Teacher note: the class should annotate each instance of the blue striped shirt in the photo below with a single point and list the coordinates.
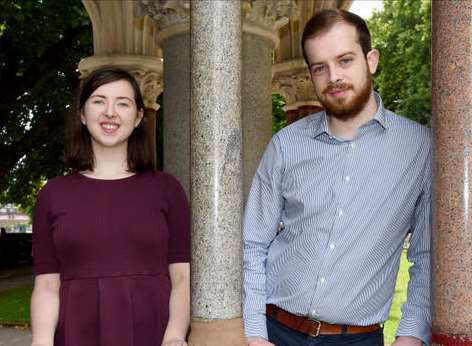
(346, 207)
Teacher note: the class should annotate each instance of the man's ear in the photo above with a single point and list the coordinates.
(373, 60)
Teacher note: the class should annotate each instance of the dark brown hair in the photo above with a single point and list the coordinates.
(79, 153)
(324, 20)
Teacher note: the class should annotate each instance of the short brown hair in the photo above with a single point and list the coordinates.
(324, 20)
(79, 153)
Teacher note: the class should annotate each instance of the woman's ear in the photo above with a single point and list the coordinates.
(139, 118)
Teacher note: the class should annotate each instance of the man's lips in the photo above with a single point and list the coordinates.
(338, 92)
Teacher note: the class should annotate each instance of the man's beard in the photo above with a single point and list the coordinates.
(342, 108)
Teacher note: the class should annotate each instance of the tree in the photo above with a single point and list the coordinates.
(402, 33)
(41, 43)
(279, 119)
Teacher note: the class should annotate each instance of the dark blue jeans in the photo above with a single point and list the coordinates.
(281, 335)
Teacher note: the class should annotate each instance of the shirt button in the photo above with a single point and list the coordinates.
(347, 178)
(353, 145)
(340, 212)
(332, 246)
(322, 280)
(313, 312)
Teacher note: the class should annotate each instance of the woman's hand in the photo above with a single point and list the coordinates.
(174, 342)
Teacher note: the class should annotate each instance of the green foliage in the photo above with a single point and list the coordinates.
(279, 120)
(14, 306)
(41, 43)
(402, 33)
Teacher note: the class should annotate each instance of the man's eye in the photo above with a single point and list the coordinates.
(318, 70)
(345, 61)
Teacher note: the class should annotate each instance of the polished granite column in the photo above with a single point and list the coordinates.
(216, 172)
(172, 24)
(452, 203)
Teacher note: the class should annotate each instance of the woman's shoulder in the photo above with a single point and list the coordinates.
(57, 185)
(60, 181)
(166, 180)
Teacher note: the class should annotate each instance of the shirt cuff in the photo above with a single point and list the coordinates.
(415, 328)
(255, 325)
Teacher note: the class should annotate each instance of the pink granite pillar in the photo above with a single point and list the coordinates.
(452, 199)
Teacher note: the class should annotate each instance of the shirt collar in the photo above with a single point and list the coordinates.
(320, 123)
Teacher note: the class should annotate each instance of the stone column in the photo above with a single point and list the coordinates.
(216, 173)
(452, 198)
(171, 20)
(261, 22)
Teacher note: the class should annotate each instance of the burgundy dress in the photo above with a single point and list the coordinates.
(111, 241)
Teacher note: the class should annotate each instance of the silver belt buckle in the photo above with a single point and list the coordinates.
(317, 328)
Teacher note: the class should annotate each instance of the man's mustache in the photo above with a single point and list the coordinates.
(337, 86)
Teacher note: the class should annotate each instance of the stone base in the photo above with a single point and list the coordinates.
(217, 333)
(449, 340)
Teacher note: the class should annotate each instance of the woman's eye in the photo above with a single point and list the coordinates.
(123, 104)
(97, 102)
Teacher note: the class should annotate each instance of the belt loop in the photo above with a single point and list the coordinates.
(343, 329)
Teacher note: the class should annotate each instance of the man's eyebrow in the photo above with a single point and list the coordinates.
(338, 57)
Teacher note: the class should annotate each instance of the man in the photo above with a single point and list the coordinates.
(331, 204)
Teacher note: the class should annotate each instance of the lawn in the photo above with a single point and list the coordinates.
(14, 306)
(398, 300)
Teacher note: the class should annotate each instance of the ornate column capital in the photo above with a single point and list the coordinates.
(148, 72)
(171, 17)
(266, 17)
(292, 80)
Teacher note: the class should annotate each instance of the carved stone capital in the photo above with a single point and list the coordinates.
(292, 80)
(266, 17)
(171, 17)
(148, 72)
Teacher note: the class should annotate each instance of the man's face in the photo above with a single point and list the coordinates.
(340, 72)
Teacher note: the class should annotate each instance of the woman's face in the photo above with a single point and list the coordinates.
(110, 114)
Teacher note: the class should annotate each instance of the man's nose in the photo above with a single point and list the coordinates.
(334, 75)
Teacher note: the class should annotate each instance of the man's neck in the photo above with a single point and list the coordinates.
(347, 129)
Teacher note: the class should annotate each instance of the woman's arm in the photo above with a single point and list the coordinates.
(45, 308)
(179, 305)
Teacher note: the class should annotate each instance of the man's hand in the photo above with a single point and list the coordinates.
(407, 341)
(258, 341)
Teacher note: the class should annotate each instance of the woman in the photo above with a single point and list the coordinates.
(111, 240)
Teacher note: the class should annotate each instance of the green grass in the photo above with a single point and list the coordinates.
(14, 306)
(399, 298)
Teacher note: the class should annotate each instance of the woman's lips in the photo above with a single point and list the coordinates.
(109, 127)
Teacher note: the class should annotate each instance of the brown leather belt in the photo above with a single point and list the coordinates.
(312, 327)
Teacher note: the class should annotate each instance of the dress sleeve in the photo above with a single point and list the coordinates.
(44, 252)
(178, 220)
